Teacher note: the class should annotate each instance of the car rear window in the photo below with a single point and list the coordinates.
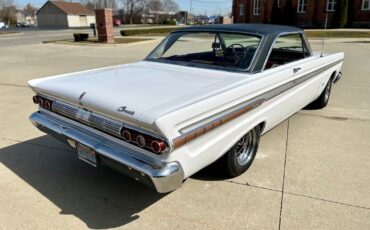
(225, 50)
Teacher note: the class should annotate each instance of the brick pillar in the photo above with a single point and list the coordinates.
(104, 25)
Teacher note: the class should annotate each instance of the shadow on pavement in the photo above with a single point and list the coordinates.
(213, 172)
(100, 197)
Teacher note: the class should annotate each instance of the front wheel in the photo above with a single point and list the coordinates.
(240, 157)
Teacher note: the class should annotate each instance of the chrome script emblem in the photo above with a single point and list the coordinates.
(124, 109)
(80, 98)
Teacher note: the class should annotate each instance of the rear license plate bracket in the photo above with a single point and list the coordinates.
(86, 154)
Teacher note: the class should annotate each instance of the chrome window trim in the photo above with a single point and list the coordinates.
(303, 37)
(307, 44)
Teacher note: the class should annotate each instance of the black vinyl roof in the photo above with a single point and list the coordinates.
(261, 29)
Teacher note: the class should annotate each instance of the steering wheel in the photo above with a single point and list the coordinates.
(232, 55)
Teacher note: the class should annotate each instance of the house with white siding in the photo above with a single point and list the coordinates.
(59, 14)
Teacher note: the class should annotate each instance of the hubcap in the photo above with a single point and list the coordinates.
(245, 148)
(327, 92)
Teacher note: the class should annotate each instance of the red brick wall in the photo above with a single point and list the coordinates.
(360, 17)
(104, 25)
(313, 17)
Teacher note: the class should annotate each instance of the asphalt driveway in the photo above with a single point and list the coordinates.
(311, 172)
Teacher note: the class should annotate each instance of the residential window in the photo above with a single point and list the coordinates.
(330, 5)
(302, 6)
(256, 7)
(365, 5)
(241, 10)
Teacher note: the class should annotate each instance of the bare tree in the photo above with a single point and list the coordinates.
(170, 6)
(6, 3)
(154, 5)
(99, 4)
(7, 11)
(134, 7)
(29, 10)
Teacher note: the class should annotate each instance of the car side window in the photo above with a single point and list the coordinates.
(287, 48)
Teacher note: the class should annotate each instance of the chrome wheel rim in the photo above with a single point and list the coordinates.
(327, 92)
(246, 148)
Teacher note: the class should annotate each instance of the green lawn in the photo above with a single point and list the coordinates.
(310, 33)
(149, 31)
(338, 34)
(6, 32)
(117, 40)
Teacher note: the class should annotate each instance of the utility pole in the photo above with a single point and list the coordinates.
(191, 6)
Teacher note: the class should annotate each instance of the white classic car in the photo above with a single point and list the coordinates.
(206, 93)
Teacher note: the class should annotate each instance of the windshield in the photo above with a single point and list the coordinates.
(216, 49)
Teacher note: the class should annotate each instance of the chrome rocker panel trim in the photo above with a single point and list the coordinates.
(163, 176)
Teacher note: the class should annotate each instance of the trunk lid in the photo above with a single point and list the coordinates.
(127, 91)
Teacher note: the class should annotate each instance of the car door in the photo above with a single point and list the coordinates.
(287, 69)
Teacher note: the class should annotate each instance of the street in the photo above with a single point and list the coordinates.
(311, 171)
(27, 36)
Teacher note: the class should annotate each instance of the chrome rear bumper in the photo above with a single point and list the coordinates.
(163, 176)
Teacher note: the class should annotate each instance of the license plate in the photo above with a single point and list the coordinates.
(86, 154)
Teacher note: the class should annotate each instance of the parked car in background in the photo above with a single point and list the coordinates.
(206, 93)
(3, 25)
(116, 22)
(22, 25)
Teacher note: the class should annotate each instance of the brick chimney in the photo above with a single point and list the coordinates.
(104, 25)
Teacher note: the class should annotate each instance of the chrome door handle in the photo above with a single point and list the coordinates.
(295, 70)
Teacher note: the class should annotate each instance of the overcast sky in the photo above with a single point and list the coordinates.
(198, 6)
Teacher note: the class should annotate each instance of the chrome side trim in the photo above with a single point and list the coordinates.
(199, 128)
(163, 176)
(205, 128)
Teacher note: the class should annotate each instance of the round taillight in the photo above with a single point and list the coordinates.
(158, 146)
(140, 141)
(126, 135)
(41, 102)
(47, 105)
(35, 99)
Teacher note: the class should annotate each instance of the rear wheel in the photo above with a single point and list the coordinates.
(240, 157)
(323, 99)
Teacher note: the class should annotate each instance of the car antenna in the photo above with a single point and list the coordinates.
(324, 36)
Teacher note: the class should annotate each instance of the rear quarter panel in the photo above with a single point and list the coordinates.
(206, 149)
